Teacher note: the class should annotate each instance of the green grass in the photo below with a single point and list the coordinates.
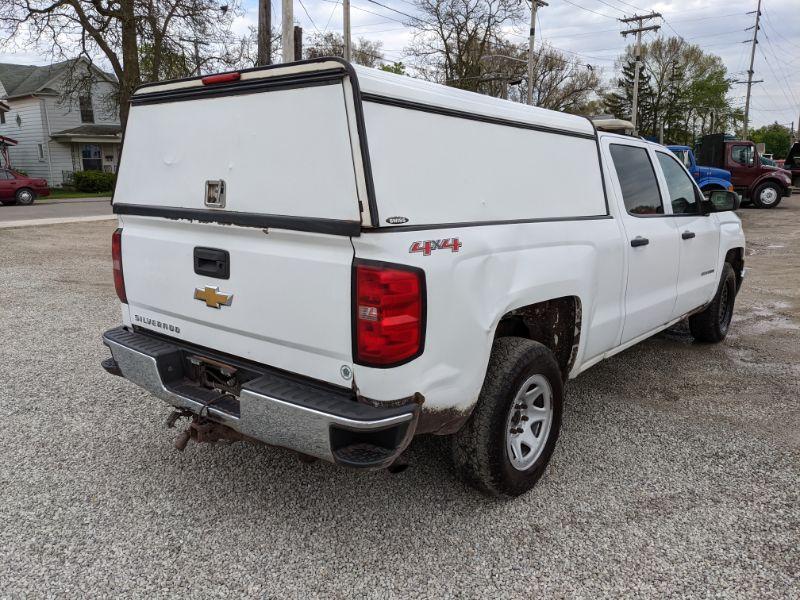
(56, 194)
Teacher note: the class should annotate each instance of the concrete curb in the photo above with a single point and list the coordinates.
(55, 221)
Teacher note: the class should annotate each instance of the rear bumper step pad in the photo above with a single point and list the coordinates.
(273, 408)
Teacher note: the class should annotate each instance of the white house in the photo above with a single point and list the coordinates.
(59, 130)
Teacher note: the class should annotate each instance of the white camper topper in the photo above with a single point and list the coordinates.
(332, 259)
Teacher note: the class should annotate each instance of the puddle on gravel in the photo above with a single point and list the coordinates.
(767, 318)
(754, 248)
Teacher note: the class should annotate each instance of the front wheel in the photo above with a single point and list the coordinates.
(25, 196)
(505, 446)
(767, 195)
(711, 325)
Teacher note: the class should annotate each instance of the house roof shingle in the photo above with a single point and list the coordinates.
(23, 80)
(90, 130)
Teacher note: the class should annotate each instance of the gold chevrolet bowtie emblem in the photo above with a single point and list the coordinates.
(213, 297)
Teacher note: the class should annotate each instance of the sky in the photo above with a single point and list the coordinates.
(590, 30)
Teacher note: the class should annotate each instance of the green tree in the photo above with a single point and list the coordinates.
(396, 67)
(776, 138)
(619, 102)
(685, 90)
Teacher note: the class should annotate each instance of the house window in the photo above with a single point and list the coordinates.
(2, 117)
(87, 112)
(92, 157)
(40, 150)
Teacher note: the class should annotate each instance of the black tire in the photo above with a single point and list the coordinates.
(773, 195)
(25, 196)
(479, 449)
(711, 326)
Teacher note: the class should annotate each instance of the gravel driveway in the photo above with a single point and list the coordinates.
(677, 473)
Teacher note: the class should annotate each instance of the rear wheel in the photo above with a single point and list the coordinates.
(711, 325)
(767, 195)
(25, 196)
(505, 446)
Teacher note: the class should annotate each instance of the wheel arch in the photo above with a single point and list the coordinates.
(764, 179)
(555, 323)
(735, 257)
(714, 184)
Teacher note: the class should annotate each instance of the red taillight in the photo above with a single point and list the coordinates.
(116, 260)
(221, 78)
(389, 314)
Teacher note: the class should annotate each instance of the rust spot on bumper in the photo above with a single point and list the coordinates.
(441, 422)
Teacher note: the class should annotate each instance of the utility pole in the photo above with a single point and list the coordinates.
(750, 71)
(287, 30)
(263, 55)
(298, 42)
(348, 48)
(535, 5)
(638, 30)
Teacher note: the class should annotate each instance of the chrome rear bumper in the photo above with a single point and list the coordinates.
(272, 407)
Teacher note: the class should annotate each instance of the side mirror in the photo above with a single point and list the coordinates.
(722, 200)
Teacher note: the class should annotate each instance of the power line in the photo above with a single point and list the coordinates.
(576, 5)
(333, 10)
(785, 79)
(305, 10)
(777, 31)
(399, 12)
(611, 6)
(781, 88)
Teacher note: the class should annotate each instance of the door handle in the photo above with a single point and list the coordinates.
(211, 262)
(687, 235)
(639, 241)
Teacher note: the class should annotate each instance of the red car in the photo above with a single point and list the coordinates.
(16, 188)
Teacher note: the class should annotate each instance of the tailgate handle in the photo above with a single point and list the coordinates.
(211, 262)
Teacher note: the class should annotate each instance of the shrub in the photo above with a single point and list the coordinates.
(94, 181)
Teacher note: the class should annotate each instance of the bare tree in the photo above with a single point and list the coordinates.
(364, 52)
(452, 37)
(560, 82)
(140, 40)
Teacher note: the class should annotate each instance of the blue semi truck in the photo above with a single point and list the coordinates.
(708, 178)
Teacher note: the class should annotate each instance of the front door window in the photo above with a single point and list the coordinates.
(742, 155)
(681, 189)
(92, 157)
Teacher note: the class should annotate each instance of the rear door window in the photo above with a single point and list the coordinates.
(637, 178)
(682, 193)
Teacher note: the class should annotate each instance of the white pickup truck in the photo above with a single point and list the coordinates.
(333, 259)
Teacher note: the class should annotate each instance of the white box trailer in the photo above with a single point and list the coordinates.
(323, 257)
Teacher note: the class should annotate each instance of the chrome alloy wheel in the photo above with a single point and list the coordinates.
(25, 197)
(528, 424)
(768, 195)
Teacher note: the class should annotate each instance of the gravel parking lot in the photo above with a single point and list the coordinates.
(677, 473)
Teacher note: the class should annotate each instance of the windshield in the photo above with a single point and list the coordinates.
(683, 156)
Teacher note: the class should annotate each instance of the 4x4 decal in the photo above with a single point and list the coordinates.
(428, 246)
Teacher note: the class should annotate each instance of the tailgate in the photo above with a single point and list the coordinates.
(236, 206)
